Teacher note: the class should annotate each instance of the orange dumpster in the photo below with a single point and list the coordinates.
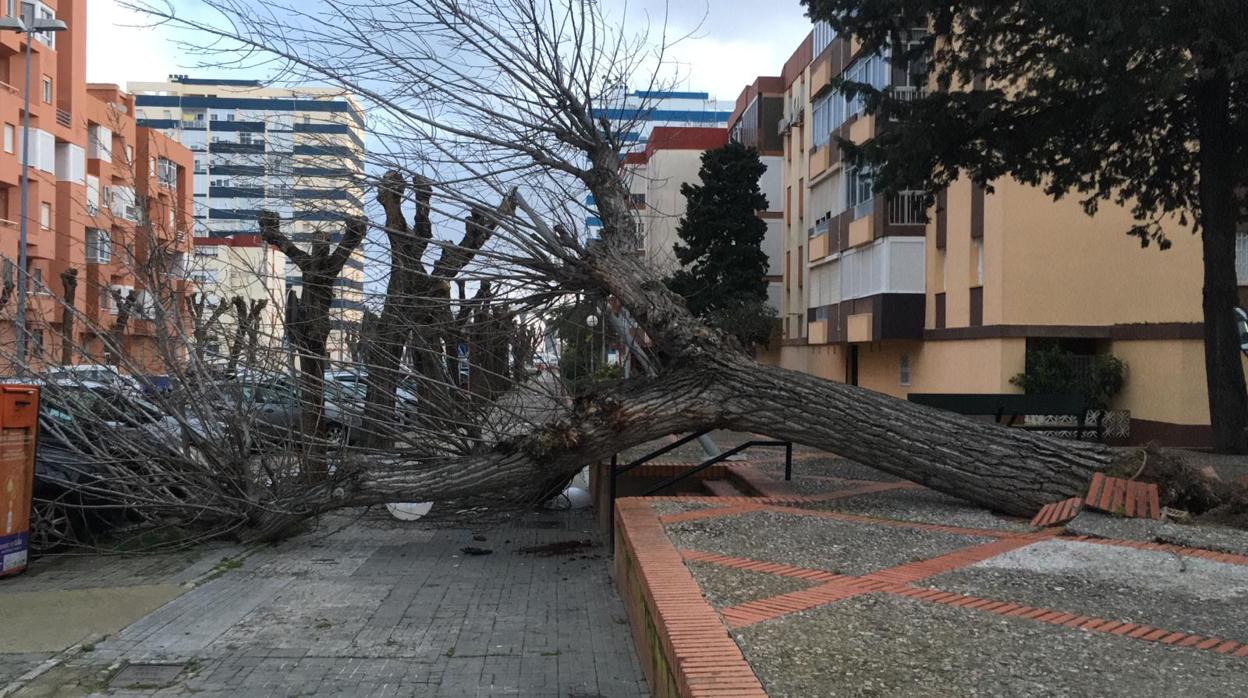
(19, 422)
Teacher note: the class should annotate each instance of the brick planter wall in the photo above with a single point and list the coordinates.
(681, 642)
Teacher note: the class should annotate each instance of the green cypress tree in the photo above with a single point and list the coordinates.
(723, 266)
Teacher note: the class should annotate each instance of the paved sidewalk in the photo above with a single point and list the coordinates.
(376, 607)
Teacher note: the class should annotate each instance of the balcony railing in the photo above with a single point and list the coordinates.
(908, 208)
(907, 93)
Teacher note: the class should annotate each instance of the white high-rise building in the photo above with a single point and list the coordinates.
(295, 151)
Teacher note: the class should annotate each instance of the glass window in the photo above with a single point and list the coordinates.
(47, 90)
(904, 376)
(9, 132)
(858, 190)
(45, 215)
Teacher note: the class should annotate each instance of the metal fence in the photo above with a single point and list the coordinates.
(908, 208)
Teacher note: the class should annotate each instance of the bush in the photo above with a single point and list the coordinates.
(1054, 370)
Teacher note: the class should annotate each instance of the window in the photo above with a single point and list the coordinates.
(823, 36)
(36, 343)
(129, 155)
(45, 215)
(858, 192)
(99, 246)
(904, 369)
(47, 90)
(638, 199)
(8, 138)
(979, 262)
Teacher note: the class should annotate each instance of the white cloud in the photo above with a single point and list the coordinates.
(726, 44)
(123, 47)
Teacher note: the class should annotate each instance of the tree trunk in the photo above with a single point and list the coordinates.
(69, 279)
(1224, 372)
(1008, 470)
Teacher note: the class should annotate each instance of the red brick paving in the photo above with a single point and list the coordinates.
(1137, 500)
(1058, 513)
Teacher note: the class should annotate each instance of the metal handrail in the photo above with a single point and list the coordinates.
(617, 471)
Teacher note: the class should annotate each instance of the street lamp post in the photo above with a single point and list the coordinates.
(15, 24)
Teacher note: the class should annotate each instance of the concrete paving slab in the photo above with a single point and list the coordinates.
(51, 621)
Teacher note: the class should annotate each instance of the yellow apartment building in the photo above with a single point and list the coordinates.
(899, 297)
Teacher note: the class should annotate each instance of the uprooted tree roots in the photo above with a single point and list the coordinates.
(1186, 487)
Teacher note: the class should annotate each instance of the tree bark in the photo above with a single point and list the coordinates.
(307, 323)
(1224, 373)
(69, 279)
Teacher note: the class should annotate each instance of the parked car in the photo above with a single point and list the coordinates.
(277, 408)
(65, 508)
(99, 374)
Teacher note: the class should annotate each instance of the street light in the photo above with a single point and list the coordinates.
(13, 24)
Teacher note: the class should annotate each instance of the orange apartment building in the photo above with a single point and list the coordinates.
(889, 294)
(106, 197)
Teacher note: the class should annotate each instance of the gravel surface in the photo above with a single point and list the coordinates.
(878, 645)
(811, 486)
(1220, 538)
(727, 586)
(830, 466)
(922, 505)
(814, 542)
(673, 506)
(1160, 589)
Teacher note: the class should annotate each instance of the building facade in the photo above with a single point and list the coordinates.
(634, 115)
(904, 295)
(295, 151)
(108, 199)
(755, 121)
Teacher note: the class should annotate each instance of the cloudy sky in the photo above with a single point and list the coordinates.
(729, 43)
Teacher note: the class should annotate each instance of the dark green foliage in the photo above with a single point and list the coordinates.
(724, 269)
(1055, 370)
(1093, 98)
(1138, 102)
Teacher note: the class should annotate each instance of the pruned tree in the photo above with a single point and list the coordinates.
(246, 330)
(115, 340)
(1140, 104)
(308, 321)
(69, 280)
(202, 327)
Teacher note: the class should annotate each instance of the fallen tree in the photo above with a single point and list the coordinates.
(518, 86)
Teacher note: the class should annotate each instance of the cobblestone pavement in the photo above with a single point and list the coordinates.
(370, 606)
(873, 588)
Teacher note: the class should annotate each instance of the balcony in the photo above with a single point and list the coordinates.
(908, 208)
(821, 160)
(907, 93)
(820, 76)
